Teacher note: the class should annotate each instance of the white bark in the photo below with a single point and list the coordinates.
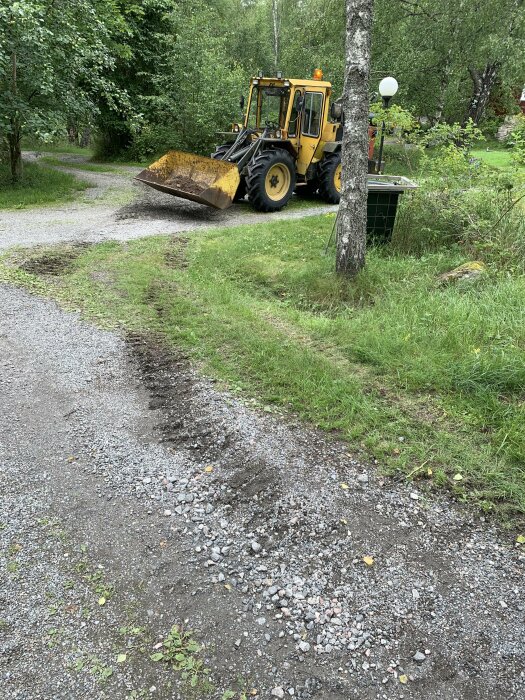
(276, 20)
(351, 222)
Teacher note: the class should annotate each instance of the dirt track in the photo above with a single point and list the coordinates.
(106, 445)
(117, 207)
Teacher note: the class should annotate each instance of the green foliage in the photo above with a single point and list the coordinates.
(432, 48)
(39, 186)
(517, 141)
(462, 201)
(395, 117)
(182, 653)
(54, 58)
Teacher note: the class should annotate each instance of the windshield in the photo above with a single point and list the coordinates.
(268, 104)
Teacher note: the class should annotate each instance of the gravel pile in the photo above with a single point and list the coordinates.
(301, 569)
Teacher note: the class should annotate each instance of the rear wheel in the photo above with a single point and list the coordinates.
(330, 178)
(271, 180)
(218, 154)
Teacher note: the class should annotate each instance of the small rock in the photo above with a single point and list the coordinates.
(363, 478)
(278, 692)
(419, 657)
(256, 547)
(304, 647)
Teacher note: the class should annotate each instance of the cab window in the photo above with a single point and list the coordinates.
(313, 110)
(293, 125)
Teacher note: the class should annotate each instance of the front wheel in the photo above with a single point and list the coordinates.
(271, 180)
(330, 178)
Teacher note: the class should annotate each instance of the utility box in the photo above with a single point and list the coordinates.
(383, 196)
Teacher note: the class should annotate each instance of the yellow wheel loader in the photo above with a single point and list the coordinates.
(290, 140)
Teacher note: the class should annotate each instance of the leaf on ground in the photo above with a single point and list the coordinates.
(344, 486)
(520, 539)
(157, 657)
(102, 600)
(121, 658)
(369, 561)
(458, 477)
(227, 586)
(208, 470)
(403, 679)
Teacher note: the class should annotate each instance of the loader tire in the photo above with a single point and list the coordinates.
(271, 180)
(218, 153)
(330, 178)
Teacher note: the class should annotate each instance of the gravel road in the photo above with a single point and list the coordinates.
(116, 207)
(135, 494)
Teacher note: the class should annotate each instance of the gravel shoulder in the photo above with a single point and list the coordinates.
(126, 476)
(117, 207)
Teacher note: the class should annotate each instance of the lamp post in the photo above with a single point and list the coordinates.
(387, 89)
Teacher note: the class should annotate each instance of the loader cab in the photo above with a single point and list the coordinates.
(267, 104)
(298, 111)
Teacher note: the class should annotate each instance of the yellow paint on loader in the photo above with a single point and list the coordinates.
(204, 180)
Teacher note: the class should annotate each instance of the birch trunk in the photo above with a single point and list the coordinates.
(483, 84)
(276, 32)
(351, 221)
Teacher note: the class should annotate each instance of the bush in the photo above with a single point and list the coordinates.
(463, 202)
(517, 141)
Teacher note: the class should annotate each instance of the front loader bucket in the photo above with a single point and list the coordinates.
(204, 180)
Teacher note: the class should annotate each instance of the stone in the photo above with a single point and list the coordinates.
(278, 692)
(467, 272)
(304, 647)
(419, 657)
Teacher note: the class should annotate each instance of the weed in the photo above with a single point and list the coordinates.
(182, 653)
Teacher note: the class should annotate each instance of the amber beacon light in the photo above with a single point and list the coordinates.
(318, 74)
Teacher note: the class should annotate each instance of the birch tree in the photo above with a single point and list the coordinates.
(351, 221)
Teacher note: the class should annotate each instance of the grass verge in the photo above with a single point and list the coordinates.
(89, 167)
(39, 185)
(428, 380)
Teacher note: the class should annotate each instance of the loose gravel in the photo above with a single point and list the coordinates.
(116, 207)
(302, 570)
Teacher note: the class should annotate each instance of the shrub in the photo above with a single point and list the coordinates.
(463, 202)
(517, 141)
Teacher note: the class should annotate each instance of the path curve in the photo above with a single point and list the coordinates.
(117, 207)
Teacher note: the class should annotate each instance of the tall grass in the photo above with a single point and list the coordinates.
(39, 185)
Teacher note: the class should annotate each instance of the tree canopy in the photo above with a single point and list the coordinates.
(153, 73)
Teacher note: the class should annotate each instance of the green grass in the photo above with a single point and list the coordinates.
(58, 147)
(39, 186)
(89, 167)
(496, 158)
(430, 381)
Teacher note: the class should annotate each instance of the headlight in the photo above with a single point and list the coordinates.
(236, 128)
(278, 134)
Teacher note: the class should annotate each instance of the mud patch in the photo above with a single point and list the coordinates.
(53, 263)
(175, 256)
(188, 419)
